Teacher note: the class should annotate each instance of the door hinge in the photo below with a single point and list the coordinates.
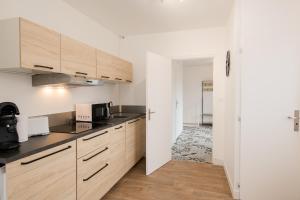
(238, 185)
(239, 119)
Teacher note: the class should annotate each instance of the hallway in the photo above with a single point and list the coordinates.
(194, 144)
(177, 180)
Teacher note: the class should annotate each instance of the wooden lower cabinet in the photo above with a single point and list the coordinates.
(100, 160)
(94, 174)
(50, 174)
(118, 153)
(135, 141)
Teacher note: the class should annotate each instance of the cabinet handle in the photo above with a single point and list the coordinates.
(133, 121)
(84, 160)
(86, 139)
(119, 79)
(128, 81)
(81, 73)
(44, 67)
(86, 179)
(105, 77)
(45, 156)
(119, 127)
(79, 76)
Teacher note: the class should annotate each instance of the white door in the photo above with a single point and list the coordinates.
(270, 148)
(159, 101)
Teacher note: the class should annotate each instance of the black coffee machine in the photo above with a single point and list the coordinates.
(8, 126)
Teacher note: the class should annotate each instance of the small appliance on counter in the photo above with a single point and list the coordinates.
(93, 112)
(38, 126)
(8, 126)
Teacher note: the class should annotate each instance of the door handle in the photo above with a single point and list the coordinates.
(296, 119)
(149, 114)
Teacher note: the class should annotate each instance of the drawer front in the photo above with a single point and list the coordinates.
(40, 47)
(50, 174)
(93, 177)
(92, 142)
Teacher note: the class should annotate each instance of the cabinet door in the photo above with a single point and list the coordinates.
(105, 66)
(40, 47)
(131, 143)
(118, 153)
(142, 137)
(127, 71)
(50, 174)
(77, 58)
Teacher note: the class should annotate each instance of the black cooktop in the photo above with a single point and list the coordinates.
(77, 127)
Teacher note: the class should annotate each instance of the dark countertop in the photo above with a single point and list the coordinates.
(41, 143)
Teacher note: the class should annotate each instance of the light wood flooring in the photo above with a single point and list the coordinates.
(177, 180)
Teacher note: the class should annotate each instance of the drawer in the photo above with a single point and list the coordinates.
(50, 174)
(94, 174)
(92, 142)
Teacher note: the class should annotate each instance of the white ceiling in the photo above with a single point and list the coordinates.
(197, 62)
(133, 17)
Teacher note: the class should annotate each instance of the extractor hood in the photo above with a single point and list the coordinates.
(57, 79)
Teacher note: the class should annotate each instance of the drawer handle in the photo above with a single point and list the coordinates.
(119, 79)
(134, 121)
(143, 117)
(128, 81)
(42, 66)
(84, 160)
(79, 76)
(81, 73)
(26, 163)
(119, 127)
(86, 179)
(105, 77)
(86, 139)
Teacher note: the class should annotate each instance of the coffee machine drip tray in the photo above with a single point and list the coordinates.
(77, 127)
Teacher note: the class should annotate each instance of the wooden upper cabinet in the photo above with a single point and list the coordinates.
(27, 46)
(77, 58)
(123, 70)
(40, 47)
(105, 66)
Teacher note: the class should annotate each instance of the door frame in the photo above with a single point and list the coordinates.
(202, 56)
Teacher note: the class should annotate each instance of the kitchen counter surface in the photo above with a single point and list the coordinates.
(41, 143)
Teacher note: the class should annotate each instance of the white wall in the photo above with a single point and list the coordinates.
(192, 92)
(233, 104)
(177, 84)
(178, 45)
(57, 15)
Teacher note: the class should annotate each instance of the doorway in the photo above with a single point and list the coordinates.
(192, 137)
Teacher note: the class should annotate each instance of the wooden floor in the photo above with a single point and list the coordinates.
(177, 180)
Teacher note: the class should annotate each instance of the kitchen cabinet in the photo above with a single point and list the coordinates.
(93, 174)
(105, 66)
(28, 46)
(50, 174)
(118, 153)
(123, 70)
(93, 141)
(77, 58)
(110, 67)
(134, 142)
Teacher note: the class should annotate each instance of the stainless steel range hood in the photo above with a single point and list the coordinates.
(56, 79)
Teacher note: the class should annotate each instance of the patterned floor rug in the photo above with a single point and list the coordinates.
(194, 144)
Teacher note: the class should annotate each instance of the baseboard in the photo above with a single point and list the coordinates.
(235, 193)
(217, 161)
